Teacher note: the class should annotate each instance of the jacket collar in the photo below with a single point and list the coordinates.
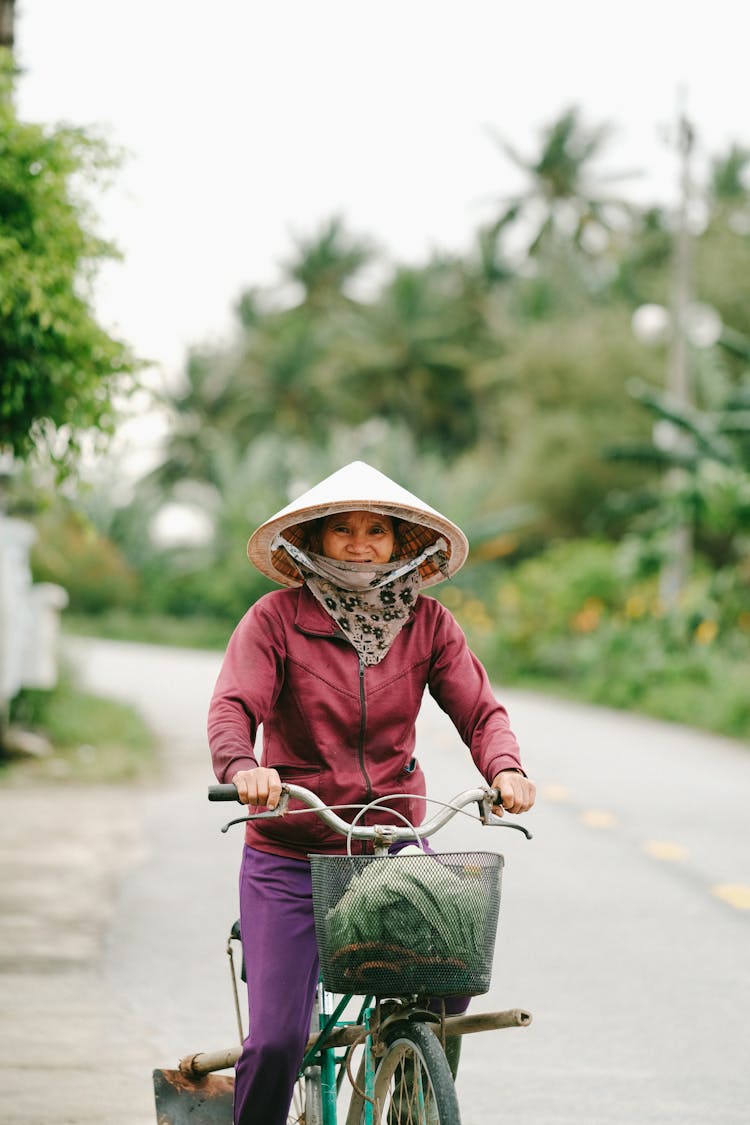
(312, 619)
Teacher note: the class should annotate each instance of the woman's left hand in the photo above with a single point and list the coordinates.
(517, 792)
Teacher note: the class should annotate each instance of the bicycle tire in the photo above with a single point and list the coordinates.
(413, 1081)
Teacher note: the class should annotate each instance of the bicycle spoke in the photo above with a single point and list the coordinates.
(413, 1084)
(410, 1098)
(296, 1114)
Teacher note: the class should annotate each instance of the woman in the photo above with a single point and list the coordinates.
(334, 668)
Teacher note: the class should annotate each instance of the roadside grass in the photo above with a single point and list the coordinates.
(202, 632)
(703, 687)
(720, 706)
(706, 690)
(92, 740)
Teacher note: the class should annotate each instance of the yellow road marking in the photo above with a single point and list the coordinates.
(736, 894)
(666, 849)
(556, 793)
(596, 818)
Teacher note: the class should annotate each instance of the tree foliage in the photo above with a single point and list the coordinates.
(59, 367)
(496, 386)
(524, 367)
(706, 445)
(565, 201)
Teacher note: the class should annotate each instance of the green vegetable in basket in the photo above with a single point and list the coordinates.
(417, 904)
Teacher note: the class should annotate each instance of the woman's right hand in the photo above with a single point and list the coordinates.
(260, 786)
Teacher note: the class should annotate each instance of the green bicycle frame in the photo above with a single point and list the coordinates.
(325, 1057)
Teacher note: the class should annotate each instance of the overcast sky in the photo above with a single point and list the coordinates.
(249, 122)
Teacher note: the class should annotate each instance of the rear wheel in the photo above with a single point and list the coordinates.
(413, 1082)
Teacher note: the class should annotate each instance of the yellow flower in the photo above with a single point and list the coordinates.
(509, 596)
(476, 615)
(496, 548)
(635, 606)
(706, 632)
(588, 617)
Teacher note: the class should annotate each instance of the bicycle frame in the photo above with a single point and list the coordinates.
(336, 1033)
(320, 1053)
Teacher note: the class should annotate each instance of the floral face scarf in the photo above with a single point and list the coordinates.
(370, 602)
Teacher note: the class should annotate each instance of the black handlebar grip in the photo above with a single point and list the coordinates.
(223, 792)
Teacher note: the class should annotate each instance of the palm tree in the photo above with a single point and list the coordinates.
(278, 375)
(710, 448)
(729, 185)
(327, 262)
(564, 198)
(412, 360)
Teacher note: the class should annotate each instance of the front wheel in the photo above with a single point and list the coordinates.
(307, 1104)
(413, 1082)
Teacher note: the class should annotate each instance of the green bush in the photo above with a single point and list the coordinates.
(71, 552)
(574, 621)
(93, 739)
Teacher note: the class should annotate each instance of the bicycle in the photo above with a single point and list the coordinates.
(403, 1076)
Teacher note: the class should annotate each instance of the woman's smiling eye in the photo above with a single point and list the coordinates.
(345, 529)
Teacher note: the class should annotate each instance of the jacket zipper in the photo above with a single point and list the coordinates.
(362, 725)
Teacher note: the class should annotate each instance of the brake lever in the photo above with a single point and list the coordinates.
(281, 809)
(491, 819)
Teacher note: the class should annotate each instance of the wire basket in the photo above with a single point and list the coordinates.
(417, 924)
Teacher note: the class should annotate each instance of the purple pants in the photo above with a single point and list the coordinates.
(281, 963)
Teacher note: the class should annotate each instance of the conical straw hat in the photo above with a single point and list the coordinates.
(357, 487)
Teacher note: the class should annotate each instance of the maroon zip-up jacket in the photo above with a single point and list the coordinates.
(344, 730)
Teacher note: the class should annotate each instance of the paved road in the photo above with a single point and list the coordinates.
(624, 925)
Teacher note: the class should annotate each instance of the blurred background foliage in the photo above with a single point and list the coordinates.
(59, 366)
(505, 386)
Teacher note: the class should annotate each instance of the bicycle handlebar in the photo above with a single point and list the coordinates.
(484, 796)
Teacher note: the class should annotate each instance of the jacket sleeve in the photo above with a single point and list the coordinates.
(459, 684)
(246, 690)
